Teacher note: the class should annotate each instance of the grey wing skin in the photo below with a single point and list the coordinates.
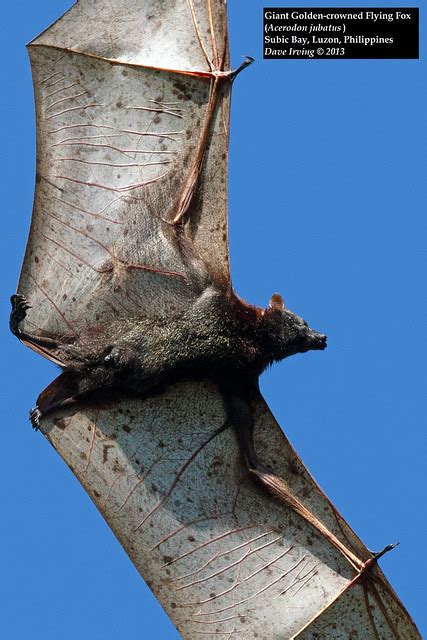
(224, 559)
(130, 210)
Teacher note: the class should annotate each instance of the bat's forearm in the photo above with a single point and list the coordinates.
(239, 413)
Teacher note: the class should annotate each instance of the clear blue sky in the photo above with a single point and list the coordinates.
(327, 206)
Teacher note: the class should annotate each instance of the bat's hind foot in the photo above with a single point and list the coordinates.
(60, 394)
(35, 415)
(20, 307)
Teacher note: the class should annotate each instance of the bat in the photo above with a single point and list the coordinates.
(147, 299)
(125, 283)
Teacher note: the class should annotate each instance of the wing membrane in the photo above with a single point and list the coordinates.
(185, 35)
(223, 558)
(116, 148)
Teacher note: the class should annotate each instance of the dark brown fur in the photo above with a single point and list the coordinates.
(219, 337)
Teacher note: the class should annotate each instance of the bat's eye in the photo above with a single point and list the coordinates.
(276, 302)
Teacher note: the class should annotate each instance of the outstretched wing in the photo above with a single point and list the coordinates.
(224, 558)
(131, 189)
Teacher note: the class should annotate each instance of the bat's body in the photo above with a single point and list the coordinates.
(126, 282)
(219, 338)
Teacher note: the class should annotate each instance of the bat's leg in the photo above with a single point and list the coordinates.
(239, 413)
(70, 388)
(60, 394)
(20, 307)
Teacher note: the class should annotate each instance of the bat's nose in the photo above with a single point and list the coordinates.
(316, 340)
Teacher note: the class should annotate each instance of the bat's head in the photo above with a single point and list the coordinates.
(288, 333)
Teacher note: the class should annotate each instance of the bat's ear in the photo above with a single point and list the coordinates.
(276, 303)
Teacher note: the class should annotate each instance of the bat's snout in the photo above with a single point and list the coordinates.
(316, 340)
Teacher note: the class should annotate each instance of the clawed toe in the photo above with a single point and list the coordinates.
(35, 415)
(20, 307)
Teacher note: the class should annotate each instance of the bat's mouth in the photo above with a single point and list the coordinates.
(315, 341)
